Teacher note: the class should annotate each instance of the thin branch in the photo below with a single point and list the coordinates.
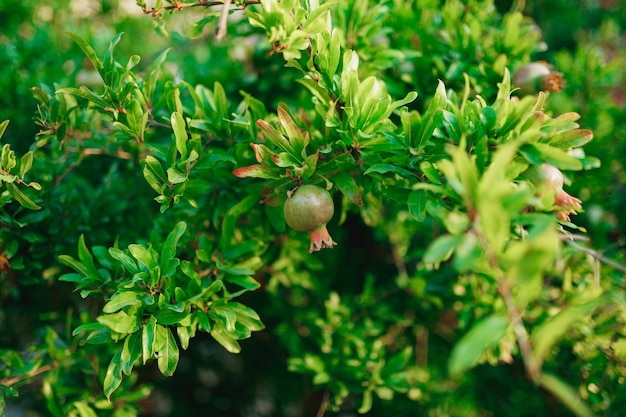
(596, 255)
(533, 368)
(223, 22)
(324, 404)
(180, 6)
(399, 262)
(45, 368)
(521, 334)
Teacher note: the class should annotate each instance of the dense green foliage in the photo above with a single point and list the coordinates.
(146, 267)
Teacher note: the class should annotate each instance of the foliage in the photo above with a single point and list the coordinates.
(143, 227)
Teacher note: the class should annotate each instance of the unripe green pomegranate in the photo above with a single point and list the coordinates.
(308, 209)
(547, 177)
(537, 76)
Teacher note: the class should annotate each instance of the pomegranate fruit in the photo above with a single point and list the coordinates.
(537, 76)
(308, 209)
(550, 178)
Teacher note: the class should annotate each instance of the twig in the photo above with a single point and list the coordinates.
(596, 255)
(11, 381)
(223, 22)
(521, 334)
(399, 262)
(180, 6)
(533, 369)
(324, 404)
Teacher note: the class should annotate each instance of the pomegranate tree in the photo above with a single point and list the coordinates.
(308, 209)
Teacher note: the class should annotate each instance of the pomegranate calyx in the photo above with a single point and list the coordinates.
(320, 239)
(568, 204)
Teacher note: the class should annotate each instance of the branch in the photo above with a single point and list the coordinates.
(12, 381)
(595, 254)
(180, 6)
(521, 334)
(223, 22)
(324, 404)
(533, 369)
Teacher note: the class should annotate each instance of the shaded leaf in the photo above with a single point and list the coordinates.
(484, 335)
(552, 330)
(348, 186)
(441, 249)
(566, 394)
(417, 204)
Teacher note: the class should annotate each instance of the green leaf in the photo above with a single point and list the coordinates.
(121, 300)
(484, 335)
(148, 331)
(226, 315)
(113, 376)
(417, 204)
(8, 160)
(168, 251)
(566, 394)
(85, 256)
(571, 138)
(297, 140)
(127, 262)
(546, 335)
(74, 264)
(108, 62)
(225, 339)
(175, 176)
(84, 410)
(348, 186)
(143, 255)
(247, 316)
(383, 168)
(131, 352)
(137, 119)
(87, 94)
(540, 152)
(3, 127)
(120, 322)
(441, 249)
(154, 174)
(366, 404)
(21, 198)
(97, 333)
(274, 136)
(88, 50)
(432, 118)
(243, 206)
(221, 103)
(180, 134)
(397, 363)
(168, 355)
(26, 163)
(168, 316)
(248, 283)
(198, 27)
(52, 399)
